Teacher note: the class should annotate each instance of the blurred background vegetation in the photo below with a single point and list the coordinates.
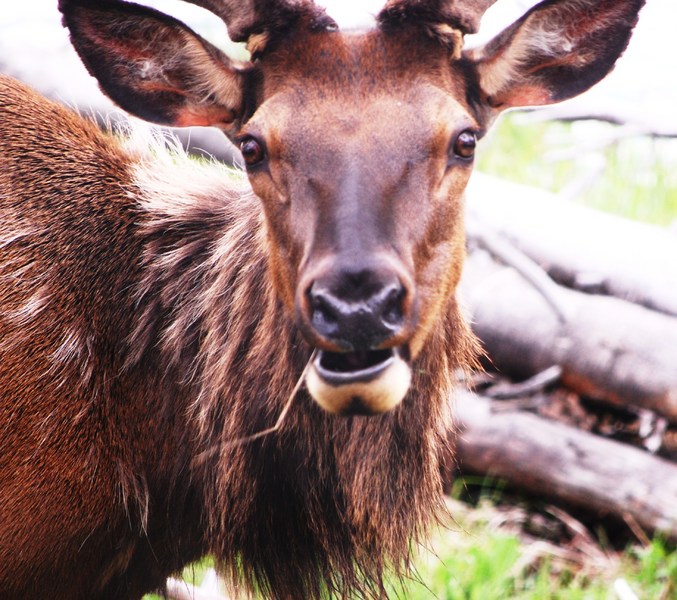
(596, 163)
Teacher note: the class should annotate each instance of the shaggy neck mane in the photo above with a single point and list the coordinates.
(302, 507)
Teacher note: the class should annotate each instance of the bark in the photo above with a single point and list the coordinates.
(581, 247)
(607, 348)
(548, 459)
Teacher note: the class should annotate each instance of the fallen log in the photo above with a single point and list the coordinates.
(569, 466)
(608, 349)
(581, 247)
(637, 120)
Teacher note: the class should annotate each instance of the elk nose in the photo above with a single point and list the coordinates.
(357, 310)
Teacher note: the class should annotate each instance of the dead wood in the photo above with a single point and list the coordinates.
(565, 464)
(633, 122)
(536, 383)
(608, 349)
(581, 247)
(484, 236)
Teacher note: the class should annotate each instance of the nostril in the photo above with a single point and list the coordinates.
(325, 315)
(393, 306)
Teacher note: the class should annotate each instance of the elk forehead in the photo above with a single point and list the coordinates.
(353, 69)
(334, 106)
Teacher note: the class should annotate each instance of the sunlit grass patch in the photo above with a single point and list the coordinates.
(594, 163)
(480, 560)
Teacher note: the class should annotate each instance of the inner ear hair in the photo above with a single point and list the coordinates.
(429, 21)
(448, 36)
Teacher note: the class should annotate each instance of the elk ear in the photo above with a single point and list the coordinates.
(557, 50)
(152, 65)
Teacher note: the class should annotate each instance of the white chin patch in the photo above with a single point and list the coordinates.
(355, 383)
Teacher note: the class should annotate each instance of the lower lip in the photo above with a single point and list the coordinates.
(374, 389)
(345, 376)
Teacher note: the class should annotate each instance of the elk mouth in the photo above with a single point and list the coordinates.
(348, 367)
(360, 382)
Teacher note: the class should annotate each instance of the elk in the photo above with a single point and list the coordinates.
(158, 317)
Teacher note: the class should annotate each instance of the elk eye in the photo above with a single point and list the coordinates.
(464, 146)
(252, 150)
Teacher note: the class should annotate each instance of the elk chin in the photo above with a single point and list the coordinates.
(360, 383)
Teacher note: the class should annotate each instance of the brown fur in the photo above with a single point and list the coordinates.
(152, 328)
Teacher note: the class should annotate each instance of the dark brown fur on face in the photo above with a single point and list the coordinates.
(148, 322)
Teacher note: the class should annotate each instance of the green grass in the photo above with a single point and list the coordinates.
(476, 568)
(483, 562)
(634, 177)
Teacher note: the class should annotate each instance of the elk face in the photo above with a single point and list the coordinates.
(359, 146)
(361, 179)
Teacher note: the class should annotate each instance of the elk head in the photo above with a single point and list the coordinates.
(359, 145)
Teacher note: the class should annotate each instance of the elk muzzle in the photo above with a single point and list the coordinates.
(359, 314)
